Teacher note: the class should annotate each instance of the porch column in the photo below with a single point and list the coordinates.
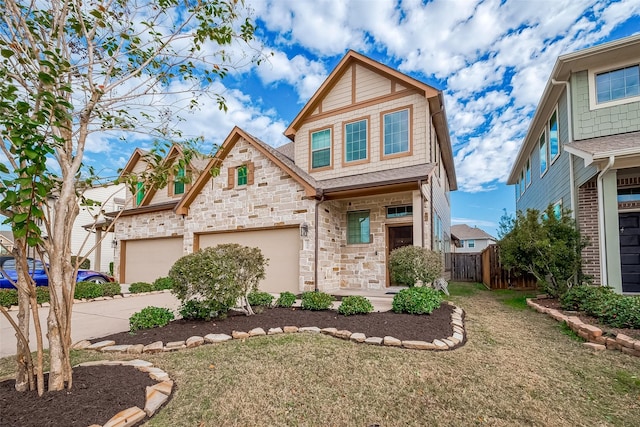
(611, 231)
(97, 256)
(418, 222)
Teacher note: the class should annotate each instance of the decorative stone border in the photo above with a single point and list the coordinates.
(119, 296)
(595, 340)
(156, 395)
(448, 343)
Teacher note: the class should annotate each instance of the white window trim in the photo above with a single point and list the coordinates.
(546, 142)
(528, 184)
(593, 103)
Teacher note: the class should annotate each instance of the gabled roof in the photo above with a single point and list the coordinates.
(464, 232)
(593, 57)
(285, 163)
(138, 153)
(174, 151)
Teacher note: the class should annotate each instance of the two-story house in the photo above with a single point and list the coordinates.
(369, 168)
(470, 239)
(582, 152)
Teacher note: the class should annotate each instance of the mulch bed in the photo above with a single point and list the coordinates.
(100, 392)
(606, 329)
(401, 326)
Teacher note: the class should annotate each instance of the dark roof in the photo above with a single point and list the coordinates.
(389, 176)
(288, 150)
(592, 149)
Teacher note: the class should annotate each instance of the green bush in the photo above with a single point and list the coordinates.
(409, 264)
(111, 288)
(202, 310)
(42, 294)
(604, 304)
(623, 312)
(150, 317)
(138, 287)
(257, 298)
(218, 276)
(8, 297)
(355, 304)
(286, 299)
(420, 300)
(316, 301)
(86, 264)
(162, 283)
(88, 290)
(587, 298)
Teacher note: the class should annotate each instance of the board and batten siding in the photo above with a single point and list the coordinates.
(603, 121)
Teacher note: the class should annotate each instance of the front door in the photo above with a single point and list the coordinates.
(398, 237)
(630, 251)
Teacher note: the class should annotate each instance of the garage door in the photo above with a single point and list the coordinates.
(280, 246)
(146, 260)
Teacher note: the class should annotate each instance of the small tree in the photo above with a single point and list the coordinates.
(218, 276)
(545, 245)
(410, 264)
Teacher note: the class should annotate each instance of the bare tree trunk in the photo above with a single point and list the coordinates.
(24, 368)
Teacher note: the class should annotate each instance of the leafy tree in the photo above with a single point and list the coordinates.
(545, 245)
(70, 69)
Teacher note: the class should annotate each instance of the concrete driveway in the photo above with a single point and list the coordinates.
(90, 320)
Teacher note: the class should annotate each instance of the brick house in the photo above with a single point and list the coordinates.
(369, 168)
(582, 152)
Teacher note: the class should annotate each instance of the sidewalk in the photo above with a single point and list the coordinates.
(89, 319)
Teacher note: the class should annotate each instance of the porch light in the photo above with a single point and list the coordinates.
(114, 243)
(304, 229)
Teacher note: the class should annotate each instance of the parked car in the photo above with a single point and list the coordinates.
(38, 272)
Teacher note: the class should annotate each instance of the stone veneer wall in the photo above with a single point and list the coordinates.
(588, 225)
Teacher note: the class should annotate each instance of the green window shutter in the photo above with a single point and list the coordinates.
(139, 193)
(178, 183)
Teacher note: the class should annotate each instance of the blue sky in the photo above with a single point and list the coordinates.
(491, 58)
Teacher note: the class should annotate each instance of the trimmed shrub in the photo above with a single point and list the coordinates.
(604, 304)
(587, 298)
(355, 304)
(257, 298)
(316, 301)
(286, 300)
(409, 264)
(218, 276)
(138, 287)
(202, 310)
(8, 297)
(150, 317)
(88, 290)
(111, 288)
(420, 300)
(162, 283)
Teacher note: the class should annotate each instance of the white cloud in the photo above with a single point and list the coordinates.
(301, 73)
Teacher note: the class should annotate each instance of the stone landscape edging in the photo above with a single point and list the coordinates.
(156, 395)
(596, 341)
(457, 338)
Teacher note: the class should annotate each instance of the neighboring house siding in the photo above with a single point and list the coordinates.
(479, 246)
(601, 121)
(441, 206)
(419, 148)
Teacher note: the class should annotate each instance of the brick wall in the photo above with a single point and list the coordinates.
(588, 225)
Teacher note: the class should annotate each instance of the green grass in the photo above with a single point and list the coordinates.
(460, 289)
(566, 330)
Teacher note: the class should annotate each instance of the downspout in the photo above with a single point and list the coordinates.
(572, 178)
(421, 213)
(317, 241)
(601, 222)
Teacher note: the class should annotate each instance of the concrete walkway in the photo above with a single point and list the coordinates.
(89, 319)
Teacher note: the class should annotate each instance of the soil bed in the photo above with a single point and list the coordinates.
(98, 393)
(437, 325)
(606, 329)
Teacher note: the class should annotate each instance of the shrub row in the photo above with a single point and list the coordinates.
(84, 290)
(421, 300)
(355, 304)
(604, 304)
(160, 284)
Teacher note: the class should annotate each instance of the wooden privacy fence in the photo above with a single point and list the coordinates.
(466, 267)
(494, 276)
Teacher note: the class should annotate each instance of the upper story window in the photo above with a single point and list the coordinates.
(396, 132)
(527, 174)
(399, 211)
(242, 175)
(358, 230)
(321, 149)
(543, 154)
(139, 193)
(618, 84)
(178, 183)
(355, 139)
(554, 141)
(471, 243)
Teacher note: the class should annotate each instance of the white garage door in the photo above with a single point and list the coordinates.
(280, 246)
(146, 260)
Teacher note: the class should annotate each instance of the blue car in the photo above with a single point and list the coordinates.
(37, 270)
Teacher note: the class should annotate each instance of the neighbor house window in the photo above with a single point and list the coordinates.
(471, 243)
(241, 172)
(554, 141)
(618, 84)
(543, 154)
(629, 195)
(139, 193)
(557, 210)
(178, 183)
(321, 149)
(527, 174)
(522, 186)
(355, 136)
(399, 211)
(396, 132)
(358, 227)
